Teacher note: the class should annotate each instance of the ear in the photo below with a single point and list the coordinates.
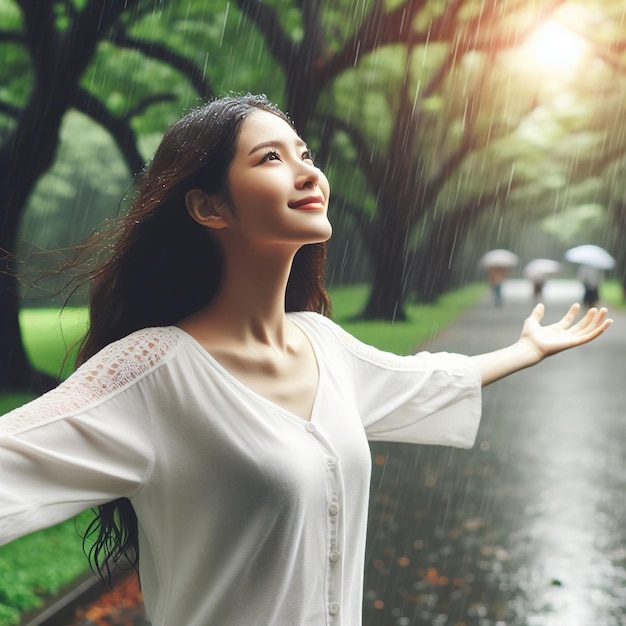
(204, 209)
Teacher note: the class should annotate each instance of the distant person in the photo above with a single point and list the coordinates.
(590, 277)
(219, 422)
(495, 277)
(538, 285)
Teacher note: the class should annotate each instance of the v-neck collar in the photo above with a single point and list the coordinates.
(225, 373)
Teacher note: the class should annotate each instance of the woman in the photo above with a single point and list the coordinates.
(219, 419)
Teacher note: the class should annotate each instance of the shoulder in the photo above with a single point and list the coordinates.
(334, 338)
(317, 323)
(325, 332)
(145, 347)
(131, 357)
(112, 370)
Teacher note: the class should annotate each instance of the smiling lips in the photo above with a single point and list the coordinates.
(312, 203)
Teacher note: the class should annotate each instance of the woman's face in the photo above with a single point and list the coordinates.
(277, 193)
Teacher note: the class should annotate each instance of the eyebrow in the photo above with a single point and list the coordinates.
(281, 144)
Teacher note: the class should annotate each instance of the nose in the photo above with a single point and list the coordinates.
(308, 177)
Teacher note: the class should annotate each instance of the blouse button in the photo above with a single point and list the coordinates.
(331, 462)
(310, 427)
(333, 609)
(333, 509)
(334, 556)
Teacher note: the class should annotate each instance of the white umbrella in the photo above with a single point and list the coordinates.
(540, 269)
(593, 256)
(499, 258)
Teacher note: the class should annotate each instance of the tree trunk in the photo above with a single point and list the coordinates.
(16, 372)
(19, 171)
(429, 274)
(388, 258)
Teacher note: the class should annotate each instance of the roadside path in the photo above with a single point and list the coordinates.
(527, 528)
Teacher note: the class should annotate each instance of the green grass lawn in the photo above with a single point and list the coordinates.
(423, 323)
(41, 563)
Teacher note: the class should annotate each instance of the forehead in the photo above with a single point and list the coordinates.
(261, 126)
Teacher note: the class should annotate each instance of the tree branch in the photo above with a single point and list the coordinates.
(51, 49)
(156, 50)
(148, 101)
(119, 128)
(12, 36)
(9, 109)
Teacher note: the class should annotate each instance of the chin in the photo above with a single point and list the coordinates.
(325, 236)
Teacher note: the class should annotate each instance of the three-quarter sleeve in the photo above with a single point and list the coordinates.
(435, 398)
(84, 443)
(57, 470)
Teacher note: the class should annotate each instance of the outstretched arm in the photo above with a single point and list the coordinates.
(537, 342)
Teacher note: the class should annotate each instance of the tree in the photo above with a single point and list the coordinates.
(404, 102)
(112, 61)
(344, 72)
(61, 40)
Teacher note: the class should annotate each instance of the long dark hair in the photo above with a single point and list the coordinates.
(161, 266)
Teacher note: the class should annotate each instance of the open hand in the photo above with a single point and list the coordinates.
(563, 334)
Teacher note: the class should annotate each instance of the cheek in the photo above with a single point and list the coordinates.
(254, 196)
(245, 187)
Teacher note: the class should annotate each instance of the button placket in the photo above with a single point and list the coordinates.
(333, 480)
(334, 555)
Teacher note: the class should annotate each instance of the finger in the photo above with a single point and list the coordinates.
(593, 319)
(600, 325)
(587, 320)
(597, 331)
(568, 319)
(538, 312)
(598, 319)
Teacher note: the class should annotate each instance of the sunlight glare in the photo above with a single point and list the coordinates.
(555, 47)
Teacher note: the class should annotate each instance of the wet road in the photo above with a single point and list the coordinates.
(529, 527)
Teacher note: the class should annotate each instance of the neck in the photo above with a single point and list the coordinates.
(250, 303)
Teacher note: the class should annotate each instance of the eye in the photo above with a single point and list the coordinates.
(272, 155)
(307, 155)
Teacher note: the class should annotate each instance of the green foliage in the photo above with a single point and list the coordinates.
(569, 224)
(533, 137)
(206, 35)
(15, 69)
(38, 565)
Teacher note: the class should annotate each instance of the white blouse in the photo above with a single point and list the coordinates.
(248, 515)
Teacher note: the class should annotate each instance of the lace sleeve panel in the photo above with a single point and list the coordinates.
(114, 368)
